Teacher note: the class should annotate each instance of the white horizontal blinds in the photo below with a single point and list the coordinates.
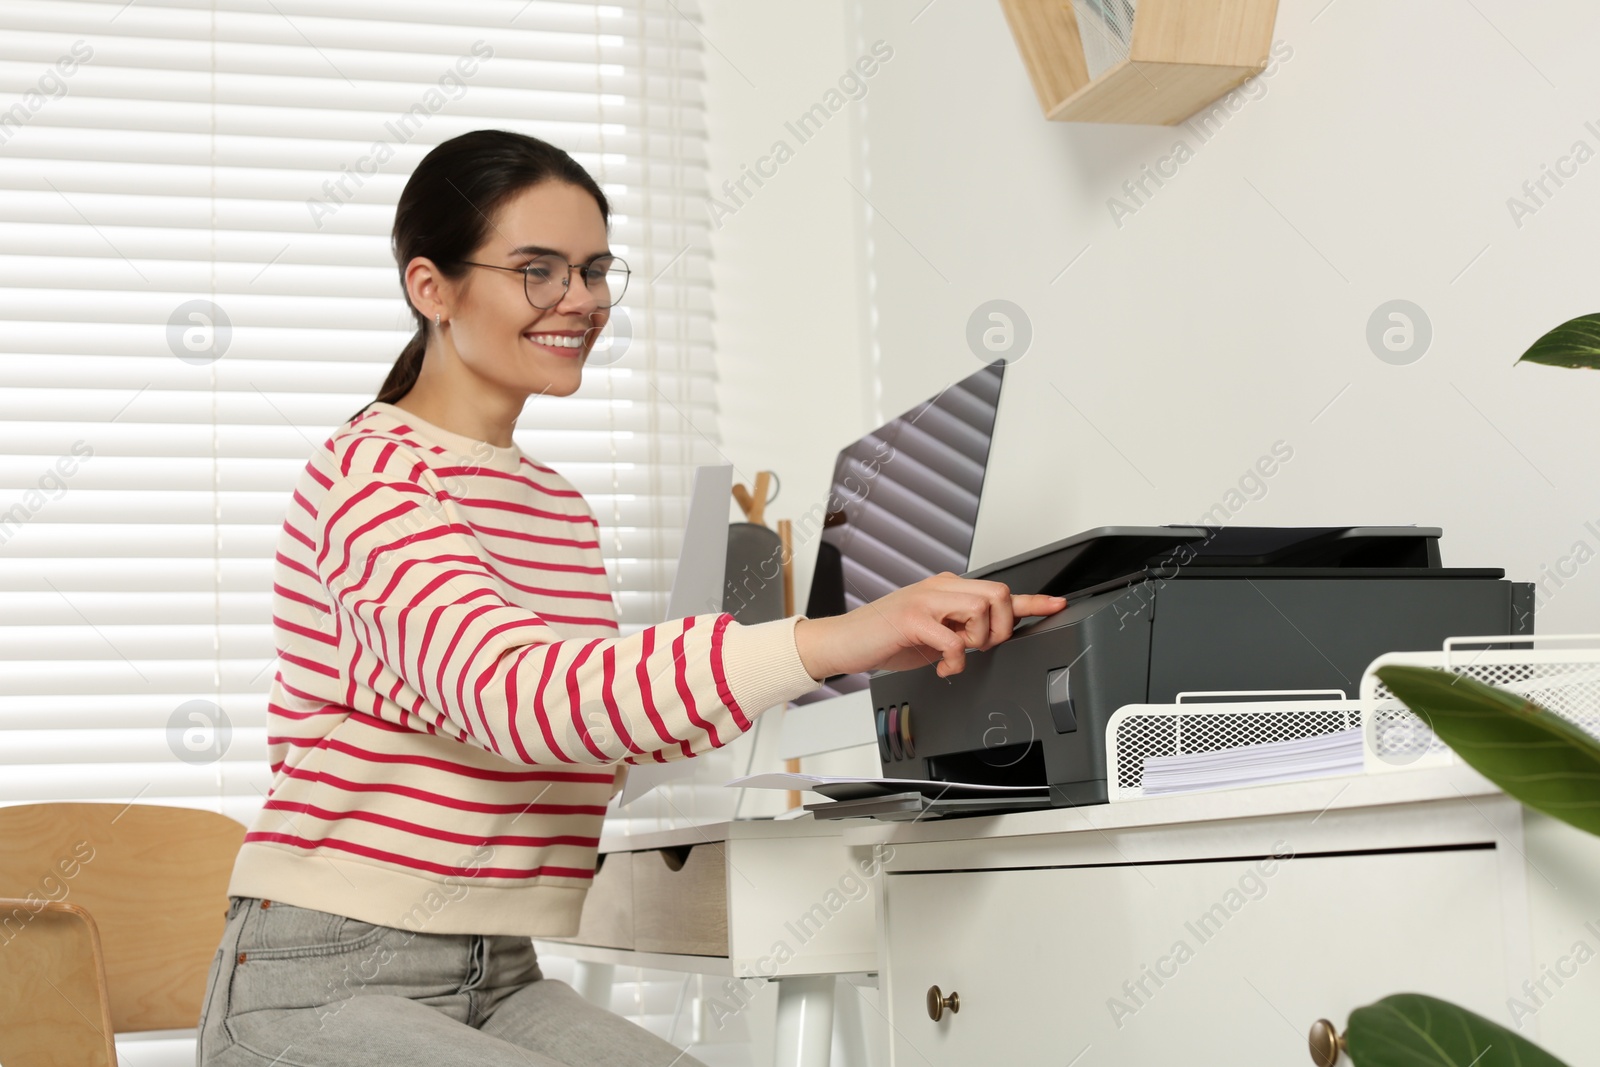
(668, 301)
(229, 153)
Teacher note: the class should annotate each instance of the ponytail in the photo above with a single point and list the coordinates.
(403, 375)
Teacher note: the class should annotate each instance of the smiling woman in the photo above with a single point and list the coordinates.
(454, 700)
(420, 828)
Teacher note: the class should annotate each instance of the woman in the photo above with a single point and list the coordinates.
(454, 707)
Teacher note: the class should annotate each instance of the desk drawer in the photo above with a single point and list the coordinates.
(680, 900)
(608, 909)
(1159, 964)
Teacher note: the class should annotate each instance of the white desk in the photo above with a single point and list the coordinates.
(756, 899)
(1156, 931)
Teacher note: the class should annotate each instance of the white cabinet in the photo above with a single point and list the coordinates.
(1193, 961)
(1079, 936)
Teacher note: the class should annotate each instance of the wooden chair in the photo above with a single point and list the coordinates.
(110, 915)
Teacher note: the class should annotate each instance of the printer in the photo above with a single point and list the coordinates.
(1157, 611)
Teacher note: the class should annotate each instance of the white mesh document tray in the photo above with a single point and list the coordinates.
(1206, 722)
(1566, 680)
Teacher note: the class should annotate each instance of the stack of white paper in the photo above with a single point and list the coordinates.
(1271, 761)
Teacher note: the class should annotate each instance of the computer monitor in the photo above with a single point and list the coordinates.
(903, 504)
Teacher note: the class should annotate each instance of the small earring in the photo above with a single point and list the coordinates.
(436, 319)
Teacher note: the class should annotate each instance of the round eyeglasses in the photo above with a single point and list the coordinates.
(545, 279)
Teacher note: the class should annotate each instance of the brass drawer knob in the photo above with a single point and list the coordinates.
(1326, 1043)
(937, 1003)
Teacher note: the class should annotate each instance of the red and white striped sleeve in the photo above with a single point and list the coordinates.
(429, 629)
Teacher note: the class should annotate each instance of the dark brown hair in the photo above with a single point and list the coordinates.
(444, 214)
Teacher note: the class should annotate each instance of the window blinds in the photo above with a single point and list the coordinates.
(196, 288)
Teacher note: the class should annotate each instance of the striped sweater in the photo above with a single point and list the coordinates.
(454, 703)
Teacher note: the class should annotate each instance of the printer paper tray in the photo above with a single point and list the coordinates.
(904, 807)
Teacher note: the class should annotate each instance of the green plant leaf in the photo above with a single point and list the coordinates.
(1572, 344)
(1414, 1030)
(1534, 755)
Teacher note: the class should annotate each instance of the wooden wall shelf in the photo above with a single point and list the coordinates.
(1180, 56)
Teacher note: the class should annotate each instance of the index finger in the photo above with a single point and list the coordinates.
(1025, 604)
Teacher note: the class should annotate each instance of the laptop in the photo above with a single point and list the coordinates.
(903, 505)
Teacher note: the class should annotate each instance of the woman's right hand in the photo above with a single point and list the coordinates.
(934, 620)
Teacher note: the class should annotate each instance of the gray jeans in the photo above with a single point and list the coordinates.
(294, 987)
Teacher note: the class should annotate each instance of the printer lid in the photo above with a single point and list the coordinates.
(1110, 553)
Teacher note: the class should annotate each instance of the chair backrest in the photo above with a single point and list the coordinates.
(154, 878)
(54, 1011)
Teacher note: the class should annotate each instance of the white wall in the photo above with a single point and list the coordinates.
(793, 334)
(1227, 312)
(789, 301)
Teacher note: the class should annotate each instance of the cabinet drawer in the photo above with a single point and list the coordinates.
(607, 918)
(1204, 962)
(680, 900)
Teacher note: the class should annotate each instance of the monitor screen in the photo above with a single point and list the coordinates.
(903, 504)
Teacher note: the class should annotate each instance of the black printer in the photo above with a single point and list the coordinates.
(1157, 611)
